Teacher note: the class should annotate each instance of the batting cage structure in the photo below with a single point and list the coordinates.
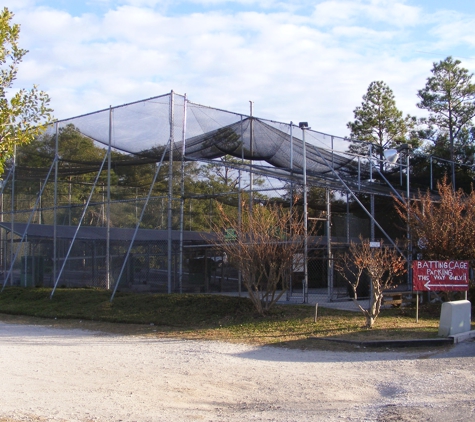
(124, 198)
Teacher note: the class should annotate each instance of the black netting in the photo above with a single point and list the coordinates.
(139, 133)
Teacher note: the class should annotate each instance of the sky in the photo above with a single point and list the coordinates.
(296, 60)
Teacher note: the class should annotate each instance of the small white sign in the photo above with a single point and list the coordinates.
(374, 244)
(298, 264)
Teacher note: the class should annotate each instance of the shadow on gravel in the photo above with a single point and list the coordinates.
(312, 349)
(354, 352)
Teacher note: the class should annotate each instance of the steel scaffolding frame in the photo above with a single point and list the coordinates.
(318, 166)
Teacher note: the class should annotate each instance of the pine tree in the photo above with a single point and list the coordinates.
(378, 121)
(449, 97)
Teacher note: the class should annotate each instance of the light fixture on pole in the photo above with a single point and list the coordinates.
(391, 156)
(304, 126)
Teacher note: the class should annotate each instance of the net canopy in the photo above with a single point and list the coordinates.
(91, 198)
(141, 133)
(73, 212)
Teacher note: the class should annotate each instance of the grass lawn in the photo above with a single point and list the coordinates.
(210, 317)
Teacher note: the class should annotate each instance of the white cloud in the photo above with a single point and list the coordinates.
(295, 66)
(454, 29)
(14, 5)
(393, 12)
(359, 33)
(45, 28)
(334, 12)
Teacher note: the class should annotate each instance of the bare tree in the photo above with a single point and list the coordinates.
(444, 227)
(380, 264)
(264, 245)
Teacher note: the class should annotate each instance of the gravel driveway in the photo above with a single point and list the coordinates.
(74, 375)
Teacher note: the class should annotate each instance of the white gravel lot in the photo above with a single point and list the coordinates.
(50, 374)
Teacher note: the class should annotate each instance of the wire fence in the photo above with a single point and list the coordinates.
(178, 137)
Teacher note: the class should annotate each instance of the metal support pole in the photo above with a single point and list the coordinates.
(108, 207)
(453, 168)
(70, 195)
(304, 127)
(4, 238)
(333, 152)
(55, 205)
(417, 307)
(136, 202)
(370, 163)
(359, 173)
(2, 246)
(348, 218)
(291, 205)
(396, 193)
(355, 197)
(240, 205)
(79, 225)
(24, 236)
(137, 225)
(182, 196)
(40, 209)
(329, 247)
(170, 192)
(251, 148)
(371, 199)
(400, 173)
(431, 183)
(12, 259)
(25, 262)
(409, 240)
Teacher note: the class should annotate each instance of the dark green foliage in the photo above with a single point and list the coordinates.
(449, 97)
(379, 122)
(24, 113)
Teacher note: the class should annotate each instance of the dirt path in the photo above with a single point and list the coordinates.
(73, 375)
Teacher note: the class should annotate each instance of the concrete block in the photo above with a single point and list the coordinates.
(455, 318)
(458, 338)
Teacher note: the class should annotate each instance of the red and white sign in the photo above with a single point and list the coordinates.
(440, 275)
